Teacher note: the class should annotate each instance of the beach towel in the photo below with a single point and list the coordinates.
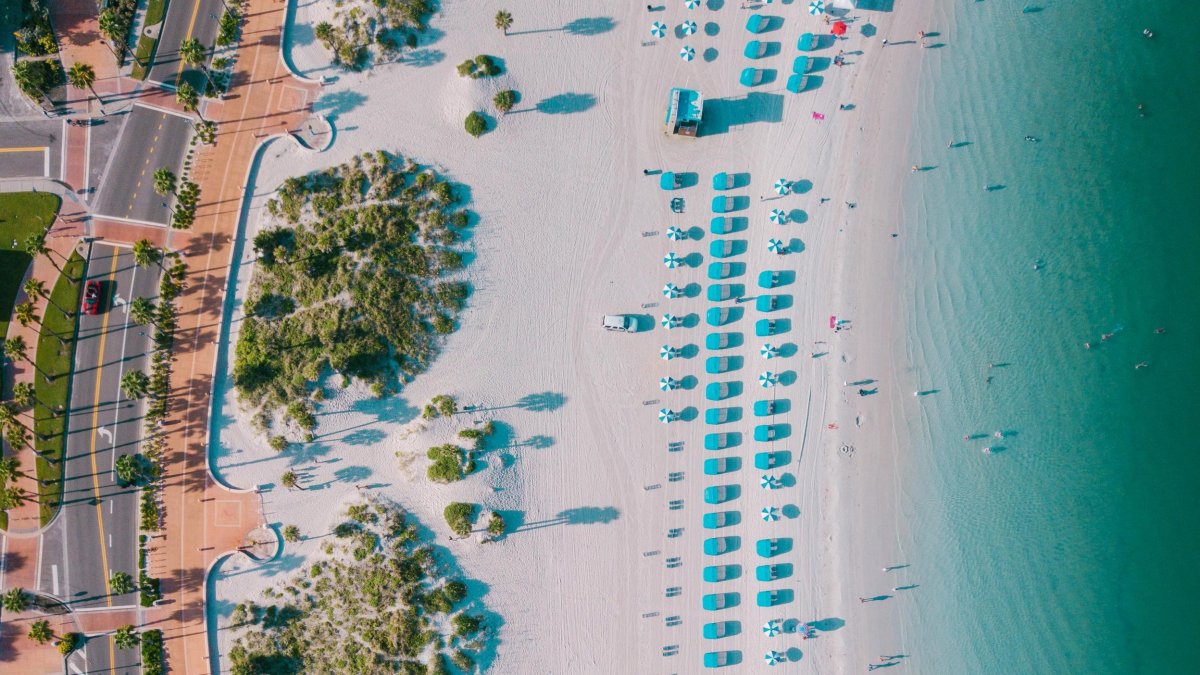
(818, 116)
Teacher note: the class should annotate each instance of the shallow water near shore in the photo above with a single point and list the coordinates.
(1071, 547)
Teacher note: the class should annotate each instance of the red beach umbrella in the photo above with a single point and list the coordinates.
(838, 28)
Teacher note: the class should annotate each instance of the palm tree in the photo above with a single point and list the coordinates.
(141, 310)
(36, 288)
(17, 436)
(290, 480)
(16, 600)
(164, 181)
(40, 632)
(126, 637)
(10, 469)
(16, 350)
(121, 583)
(192, 53)
(187, 97)
(26, 315)
(11, 498)
(24, 395)
(504, 20)
(325, 34)
(35, 246)
(144, 252)
(8, 415)
(82, 75)
(135, 384)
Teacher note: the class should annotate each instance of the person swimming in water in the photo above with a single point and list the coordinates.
(1141, 365)
(1105, 337)
(1032, 139)
(1159, 331)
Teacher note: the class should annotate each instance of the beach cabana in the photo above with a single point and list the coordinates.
(750, 77)
(721, 203)
(719, 629)
(753, 50)
(719, 545)
(757, 23)
(800, 65)
(797, 83)
(771, 407)
(720, 270)
(769, 460)
(768, 548)
(806, 42)
(718, 316)
(722, 659)
(721, 248)
(722, 181)
(716, 494)
(719, 441)
(718, 573)
(770, 303)
(715, 416)
(719, 225)
(765, 327)
(715, 601)
(715, 466)
(722, 340)
(719, 519)
(773, 572)
(714, 365)
(669, 180)
(716, 391)
(768, 279)
(719, 292)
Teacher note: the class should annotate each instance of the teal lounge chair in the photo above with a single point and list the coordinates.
(753, 50)
(722, 181)
(800, 65)
(757, 23)
(806, 42)
(749, 78)
(797, 83)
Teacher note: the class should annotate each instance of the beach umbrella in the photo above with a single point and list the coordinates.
(767, 379)
(688, 27)
(783, 186)
(691, 4)
(768, 351)
(668, 384)
(838, 28)
(770, 514)
(773, 657)
(668, 352)
(687, 53)
(816, 7)
(775, 246)
(768, 482)
(666, 416)
(658, 29)
(671, 260)
(778, 217)
(672, 291)
(670, 321)
(675, 234)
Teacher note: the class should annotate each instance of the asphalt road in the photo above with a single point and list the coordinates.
(99, 522)
(185, 18)
(30, 149)
(151, 139)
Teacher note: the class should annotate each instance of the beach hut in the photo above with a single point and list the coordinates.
(806, 42)
(722, 181)
(797, 83)
(750, 77)
(757, 23)
(685, 109)
(754, 50)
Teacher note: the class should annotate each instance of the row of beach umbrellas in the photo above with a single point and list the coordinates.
(659, 29)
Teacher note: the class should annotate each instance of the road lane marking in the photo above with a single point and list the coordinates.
(87, 163)
(54, 579)
(39, 148)
(108, 436)
(92, 451)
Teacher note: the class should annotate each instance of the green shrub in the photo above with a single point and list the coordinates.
(476, 124)
(278, 443)
(496, 525)
(464, 624)
(460, 517)
(463, 661)
(446, 405)
(455, 590)
(291, 534)
(448, 461)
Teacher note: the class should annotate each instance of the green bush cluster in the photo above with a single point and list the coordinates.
(227, 31)
(450, 463)
(480, 66)
(442, 405)
(505, 100)
(35, 79)
(355, 285)
(150, 589)
(35, 37)
(460, 516)
(152, 653)
(496, 525)
(387, 24)
(475, 124)
(479, 436)
(348, 614)
(116, 21)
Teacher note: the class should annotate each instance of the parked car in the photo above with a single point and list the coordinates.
(620, 322)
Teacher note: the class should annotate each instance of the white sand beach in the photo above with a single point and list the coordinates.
(581, 585)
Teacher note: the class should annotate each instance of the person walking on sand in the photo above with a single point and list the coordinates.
(862, 599)
(884, 42)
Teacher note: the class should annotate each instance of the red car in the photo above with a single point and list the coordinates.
(91, 297)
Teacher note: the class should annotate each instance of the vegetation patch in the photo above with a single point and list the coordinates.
(354, 280)
(460, 516)
(450, 463)
(51, 397)
(362, 32)
(116, 22)
(441, 405)
(22, 215)
(390, 610)
(476, 124)
(36, 79)
(480, 66)
(153, 662)
(35, 37)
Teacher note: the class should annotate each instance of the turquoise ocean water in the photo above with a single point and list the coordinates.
(1074, 549)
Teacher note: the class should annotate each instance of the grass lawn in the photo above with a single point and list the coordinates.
(55, 359)
(21, 214)
(144, 51)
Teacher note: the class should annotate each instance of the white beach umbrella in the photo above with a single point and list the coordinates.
(670, 321)
(768, 351)
(783, 186)
(676, 234)
(668, 384)
(691, 4)
(658, 29)
(773, 657)
(775, 245)
(671, 260)
(672, 291)
(666, 416)
(816, 7)
(668, 352)
(688, 27)
(778, 217)
(767, 379)
(687, 53)
(769, 514)
(768, 482)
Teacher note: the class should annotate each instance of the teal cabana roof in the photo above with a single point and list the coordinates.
(756, 23)
(805, 43)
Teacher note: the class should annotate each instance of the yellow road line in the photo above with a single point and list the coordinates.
(191, 26)
(30, 149)
(92, 451)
